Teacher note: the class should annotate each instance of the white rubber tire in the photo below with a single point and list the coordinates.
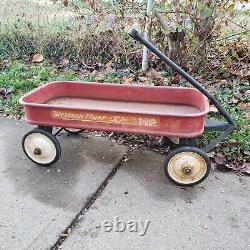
(41, 147)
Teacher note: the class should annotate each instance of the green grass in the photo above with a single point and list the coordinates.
(19, 78)
(239, 141)
(230, 96)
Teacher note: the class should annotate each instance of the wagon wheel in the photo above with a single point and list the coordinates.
(41, 147)
(73, 130)
(187, 166)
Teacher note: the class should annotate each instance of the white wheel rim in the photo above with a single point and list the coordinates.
(40, 148)
(187, 167)
(74, 130)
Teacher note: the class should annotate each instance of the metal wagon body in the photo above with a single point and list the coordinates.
(164, 111)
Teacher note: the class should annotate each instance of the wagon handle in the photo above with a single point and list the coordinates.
(138, 37)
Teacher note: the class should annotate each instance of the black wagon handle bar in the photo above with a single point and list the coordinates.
(138, 37)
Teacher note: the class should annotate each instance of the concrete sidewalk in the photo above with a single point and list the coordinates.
(213, 215)
(38, 204)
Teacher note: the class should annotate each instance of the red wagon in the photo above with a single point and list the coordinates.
(165, 111)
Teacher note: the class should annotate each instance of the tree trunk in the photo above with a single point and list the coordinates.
(163, 24)
(145, 61)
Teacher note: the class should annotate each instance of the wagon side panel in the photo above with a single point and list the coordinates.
(183, 127)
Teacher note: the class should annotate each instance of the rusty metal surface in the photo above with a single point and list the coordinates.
(166, 111)
(121, 106)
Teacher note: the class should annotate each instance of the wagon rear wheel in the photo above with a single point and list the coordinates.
(41, 147)
(187, 166)
(73, 130)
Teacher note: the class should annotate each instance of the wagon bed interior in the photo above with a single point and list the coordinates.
(120, 98)
(123, 106)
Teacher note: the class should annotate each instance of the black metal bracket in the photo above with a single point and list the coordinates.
(218, 139)
(50, 129)
(58, 131)
(216, 125)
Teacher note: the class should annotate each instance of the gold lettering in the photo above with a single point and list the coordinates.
(109, 118)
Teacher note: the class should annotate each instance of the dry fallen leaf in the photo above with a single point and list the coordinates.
(247, 152)
(128, 80)
(213, 109)
(223, 82)
(65, 3)
(64, 62)
(220, 162)
(5, 93)
(37, 58)
(247, 115)
(234, 101)
(176, 79)
(246, 168)
(211, 154)
(219, 158)
(244, 106)
(2, 91)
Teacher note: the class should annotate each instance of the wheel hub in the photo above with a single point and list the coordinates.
(37, 151)
(187, 170)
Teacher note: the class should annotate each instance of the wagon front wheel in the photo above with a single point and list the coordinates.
(41, 147)
(187, 166)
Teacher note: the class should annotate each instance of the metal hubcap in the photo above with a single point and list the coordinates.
(187, 167)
